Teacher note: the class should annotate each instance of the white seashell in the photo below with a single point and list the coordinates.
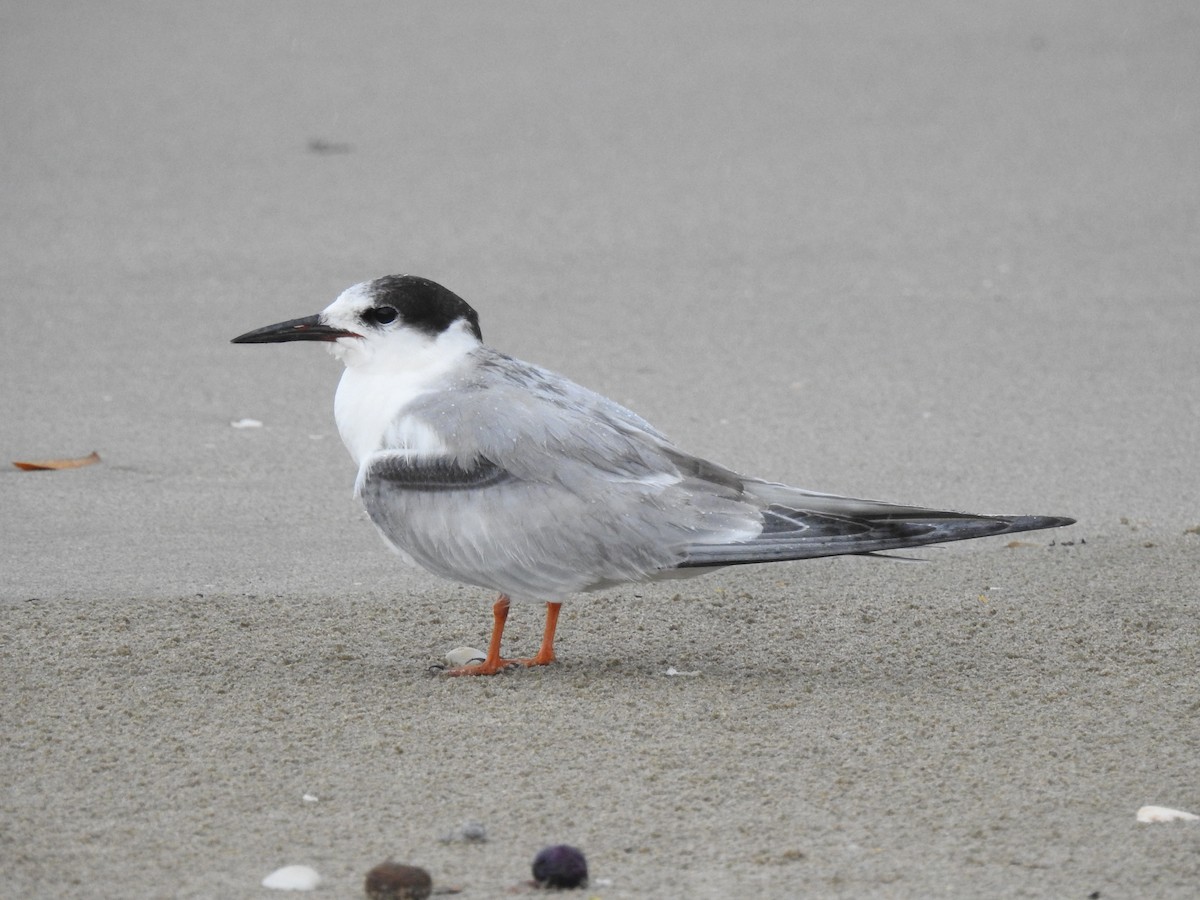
(461, 656)
(671, 670)
(293, 878)
(1164, 814)
(310, 798)
(246, 423)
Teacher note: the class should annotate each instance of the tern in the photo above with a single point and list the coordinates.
(487, 470)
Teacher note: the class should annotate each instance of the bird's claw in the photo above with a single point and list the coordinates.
(497, 666)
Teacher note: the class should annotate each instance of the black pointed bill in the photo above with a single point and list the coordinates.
(310, 328)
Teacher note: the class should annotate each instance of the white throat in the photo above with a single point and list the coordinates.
(382, 379)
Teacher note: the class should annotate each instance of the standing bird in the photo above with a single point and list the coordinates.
(490, 471)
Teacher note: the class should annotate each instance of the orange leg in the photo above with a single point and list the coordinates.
(494, 662)
(545, 654)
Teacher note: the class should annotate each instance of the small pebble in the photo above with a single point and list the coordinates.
(392, 881)
(293, 878)
(560, 866)
(473, 833)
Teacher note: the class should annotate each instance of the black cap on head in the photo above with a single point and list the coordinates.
(424, 304)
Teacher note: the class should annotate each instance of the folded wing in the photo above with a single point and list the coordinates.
(800, 524)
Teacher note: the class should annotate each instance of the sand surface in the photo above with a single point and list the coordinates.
(939, 253)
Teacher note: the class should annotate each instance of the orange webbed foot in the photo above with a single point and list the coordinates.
(500, 665)
(494, 663)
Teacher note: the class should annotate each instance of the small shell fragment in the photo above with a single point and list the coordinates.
(1164, 814)
(246, 423)
(671, 670)
(293, 878)
(470, 832)
(463, 656)
(42, 465)
(310, 798)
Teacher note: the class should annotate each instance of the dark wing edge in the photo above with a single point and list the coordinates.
(790, 534)
(405, 472)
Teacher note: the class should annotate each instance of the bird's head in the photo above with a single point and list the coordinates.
(397, 317)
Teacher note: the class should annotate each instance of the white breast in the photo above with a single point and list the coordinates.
(378, 386)
(369, 409)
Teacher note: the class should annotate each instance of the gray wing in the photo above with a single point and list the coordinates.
(553, 489)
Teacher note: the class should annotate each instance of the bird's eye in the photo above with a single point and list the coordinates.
(381, 315)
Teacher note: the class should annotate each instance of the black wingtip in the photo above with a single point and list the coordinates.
(816, 535)
(1035, 523)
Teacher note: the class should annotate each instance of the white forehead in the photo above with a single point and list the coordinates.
(353, 299)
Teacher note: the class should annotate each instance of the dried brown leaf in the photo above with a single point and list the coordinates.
(42, 465)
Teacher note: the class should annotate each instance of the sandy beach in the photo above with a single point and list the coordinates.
(943, 254)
